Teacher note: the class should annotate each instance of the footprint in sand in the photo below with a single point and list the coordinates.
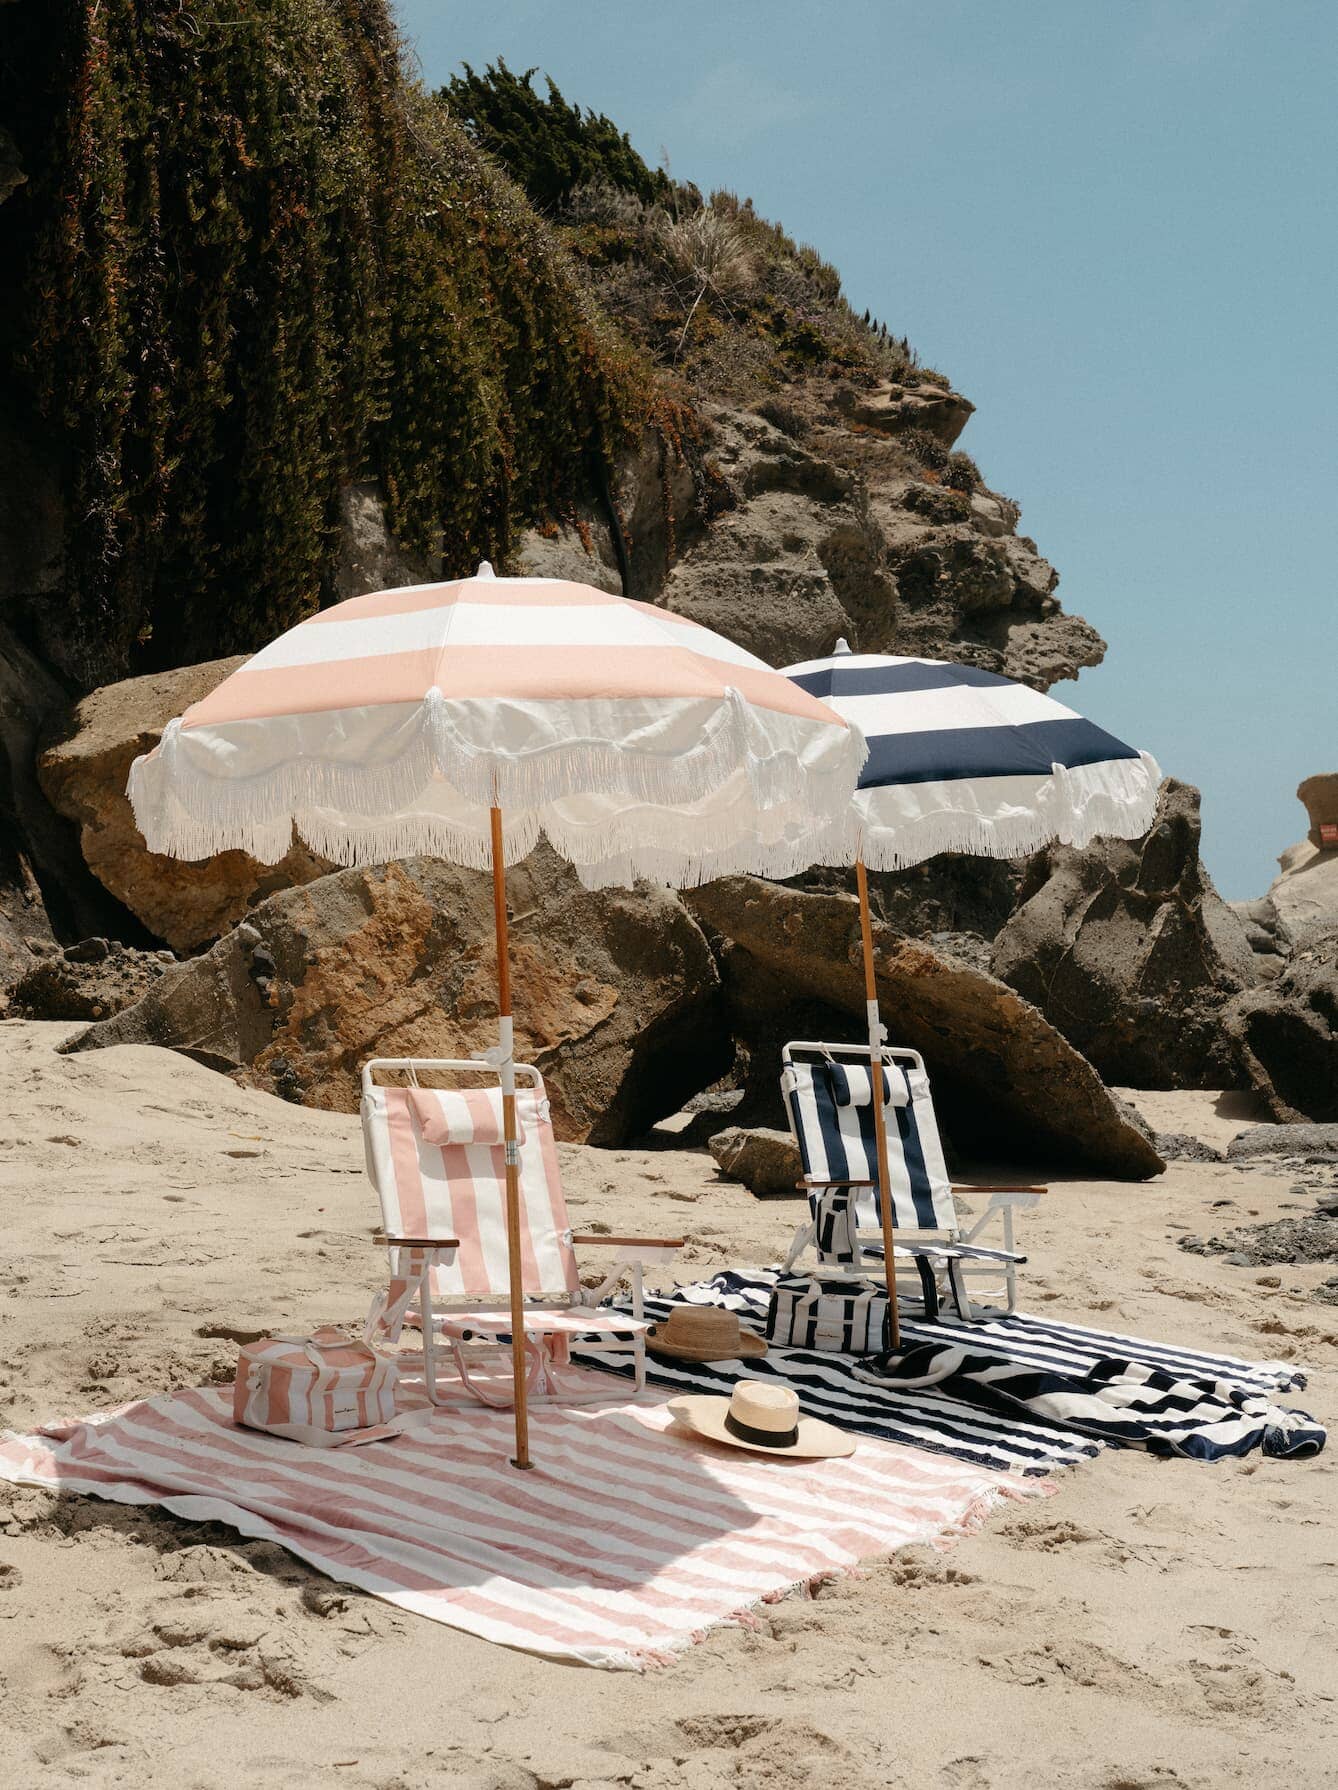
(1244, 1688)
(916, 1573)
(44, 1671)
(973, 1771)
(206, 1636)
(1041, 1532)
(743, 1750)
(1079, 1662)
(1053, 1535)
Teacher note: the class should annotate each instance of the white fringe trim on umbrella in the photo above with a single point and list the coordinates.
(797, 774)
(1115, 798)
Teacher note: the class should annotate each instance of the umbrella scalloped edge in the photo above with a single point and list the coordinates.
(752, 795)
(1073, 806)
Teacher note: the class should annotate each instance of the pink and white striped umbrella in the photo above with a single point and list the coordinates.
(639, 742)
(463, 720)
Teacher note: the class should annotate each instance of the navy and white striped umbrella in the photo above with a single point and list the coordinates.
(962, 760)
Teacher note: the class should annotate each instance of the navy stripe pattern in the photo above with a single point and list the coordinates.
(934, 1417)
(962, 760)
(1001, 749)
(849, 674)
(838, 1141)
(847, 1317)
(1118, 1400)
(954, 753)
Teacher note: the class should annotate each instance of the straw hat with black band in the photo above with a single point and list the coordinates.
(703, 1333)
(763, 1419)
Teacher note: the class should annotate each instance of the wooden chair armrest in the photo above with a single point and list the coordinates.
(416, 1242)
(967, 1187)
(811, 1181)
(629, 1242)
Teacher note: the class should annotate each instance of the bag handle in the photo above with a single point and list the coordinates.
(328, 1337)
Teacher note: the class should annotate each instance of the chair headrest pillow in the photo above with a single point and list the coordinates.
(460, 1115)
(852, 1084)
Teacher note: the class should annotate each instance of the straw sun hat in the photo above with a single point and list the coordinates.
(703, 1333)
(765, 1420)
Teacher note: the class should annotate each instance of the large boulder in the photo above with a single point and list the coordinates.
(83, 772)
(46, 892)
(1128, 949)
(1305, 893)
(1319, 797)
(617, 995)
(767, 1161)
(1287, 1031)
(1006, 1081)
(833, 529)
(926, 408)
(1283, 1140)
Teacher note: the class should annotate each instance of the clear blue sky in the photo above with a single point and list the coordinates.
(1112, 223)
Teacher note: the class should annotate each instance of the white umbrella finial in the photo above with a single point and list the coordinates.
(842, 646)
(485, 569)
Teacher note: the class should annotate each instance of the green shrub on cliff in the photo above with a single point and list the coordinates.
(727, 299)
(259, 262)
(546, 145)
(709, 288)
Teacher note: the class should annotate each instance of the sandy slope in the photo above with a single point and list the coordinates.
(1155, 1624)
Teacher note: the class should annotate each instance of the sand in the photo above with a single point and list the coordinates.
(1154, 1624)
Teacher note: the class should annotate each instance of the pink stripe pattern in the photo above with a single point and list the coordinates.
(459, 1190)
(458, 1115)
(626, 1544)
(521, 638)
(314, 1388)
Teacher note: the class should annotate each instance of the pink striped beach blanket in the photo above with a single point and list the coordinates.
(627, 1542)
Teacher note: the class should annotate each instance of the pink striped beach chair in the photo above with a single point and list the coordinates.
(435, 1158)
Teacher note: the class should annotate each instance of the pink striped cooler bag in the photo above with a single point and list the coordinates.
(322, 1390)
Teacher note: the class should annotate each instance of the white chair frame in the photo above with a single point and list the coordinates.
(545, 1379)
(952, 1273)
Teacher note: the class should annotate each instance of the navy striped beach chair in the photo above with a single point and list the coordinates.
(828, 1097)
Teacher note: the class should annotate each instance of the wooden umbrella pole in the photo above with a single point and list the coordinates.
(876, 1094)
(507, 1072)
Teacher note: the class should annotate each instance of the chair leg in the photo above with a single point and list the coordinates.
(1010, 1273)
(536, 1375)
(543, 1379)
(961, 1297)
(928, 1288)
(803, 1237)
(427, 1318)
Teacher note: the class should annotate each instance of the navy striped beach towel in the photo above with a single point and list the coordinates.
(936, 1417)
(1118, 1400)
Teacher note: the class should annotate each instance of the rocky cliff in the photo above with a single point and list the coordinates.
(196, 449)
(680, 404)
